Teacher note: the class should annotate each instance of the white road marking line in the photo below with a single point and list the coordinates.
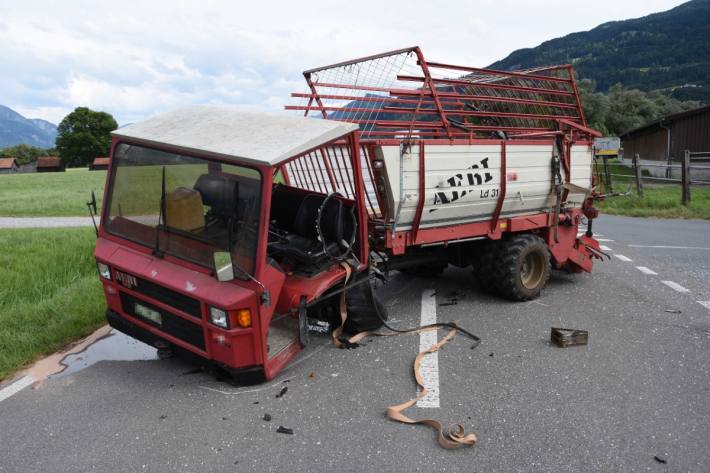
(16, 387)
(705, 304)
(645, 270)
(675, 286)
(623, 258)
(429, 368)
(606, 240)
(605, 248)
(671, 247)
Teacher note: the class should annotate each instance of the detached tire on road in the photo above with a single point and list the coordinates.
(362, 302)
(522, 267)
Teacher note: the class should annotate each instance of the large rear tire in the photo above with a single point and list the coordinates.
(522, 268)
(363, 307)
(484, 260)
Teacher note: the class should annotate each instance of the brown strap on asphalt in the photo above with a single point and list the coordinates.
(335, 335)
(456, 436)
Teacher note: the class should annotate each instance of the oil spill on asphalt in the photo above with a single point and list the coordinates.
(115, 346)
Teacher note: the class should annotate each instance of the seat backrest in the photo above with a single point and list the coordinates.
(331, 220)
(218, 192)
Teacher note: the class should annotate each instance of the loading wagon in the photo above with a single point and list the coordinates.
(224, 233)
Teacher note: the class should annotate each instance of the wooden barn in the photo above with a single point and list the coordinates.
(9, 166)
(99, 164)
(666, 139)
(50, 164)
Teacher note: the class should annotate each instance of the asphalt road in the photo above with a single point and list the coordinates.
(640, 389)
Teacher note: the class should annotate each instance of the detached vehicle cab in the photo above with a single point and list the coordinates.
(203, 248)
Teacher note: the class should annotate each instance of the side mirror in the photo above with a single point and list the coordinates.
(91, 205)
(223, 266)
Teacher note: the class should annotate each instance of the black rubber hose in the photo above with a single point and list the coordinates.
(451, 325)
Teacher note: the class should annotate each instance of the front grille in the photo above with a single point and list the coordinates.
(159, 293)
(170, 323)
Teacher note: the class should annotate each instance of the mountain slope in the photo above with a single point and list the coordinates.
(16, 129)
(667, 51)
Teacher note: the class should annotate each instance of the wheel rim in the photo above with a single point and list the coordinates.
(532, 270)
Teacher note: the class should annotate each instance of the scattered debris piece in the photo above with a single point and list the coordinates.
(451, 302)
(193, 371)
(163, 417)
(491, 354)
(674, 311)
(267, 417)
(286, 381)
(284, 430)
(311, 375)
(567, 337)
(225, 418)
(282, 392)
(660, 459)
(255, 402)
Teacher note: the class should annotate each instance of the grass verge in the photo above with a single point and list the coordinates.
(50, 293)
(661, 201)
(59, 194)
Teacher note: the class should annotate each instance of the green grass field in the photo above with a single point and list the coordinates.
(49, 194)
(659, 200)
(50, 293)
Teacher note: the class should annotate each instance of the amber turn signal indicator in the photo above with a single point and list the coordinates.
(244, 318)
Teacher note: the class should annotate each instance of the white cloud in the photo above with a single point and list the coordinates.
(135, 59)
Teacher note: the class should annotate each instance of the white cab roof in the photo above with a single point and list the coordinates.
(230, 132)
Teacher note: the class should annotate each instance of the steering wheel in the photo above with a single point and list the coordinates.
(348, 245)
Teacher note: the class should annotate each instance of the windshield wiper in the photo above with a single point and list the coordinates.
(161, 217)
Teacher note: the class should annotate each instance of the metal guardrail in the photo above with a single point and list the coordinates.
(685, 181)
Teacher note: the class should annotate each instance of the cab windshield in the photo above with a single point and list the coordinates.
(185, 206)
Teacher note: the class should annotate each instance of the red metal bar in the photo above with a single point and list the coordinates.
(523, 75)
(422, 193)
(379, 99)
(369, 171)
(307, 75)
(341, 184)
(501, 196)
(491, 98)
(488, 85)
(580, 109)
(348, 172)
(285, 175)
(360, 186)
(328, 169)
(475, 113)
(579, 127)
(432, 88)
(363, 59)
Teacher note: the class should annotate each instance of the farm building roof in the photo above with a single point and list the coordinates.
(100, 161)
(7, 163)
(667, 119)
(49, 162)
(228, 132)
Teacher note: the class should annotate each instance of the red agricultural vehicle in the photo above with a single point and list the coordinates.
(223, 231)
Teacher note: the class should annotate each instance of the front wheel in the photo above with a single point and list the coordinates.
(523, 267)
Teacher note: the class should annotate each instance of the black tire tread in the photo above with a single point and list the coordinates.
(506, 269)
(361, 301)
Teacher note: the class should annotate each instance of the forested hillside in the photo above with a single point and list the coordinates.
(667, 51)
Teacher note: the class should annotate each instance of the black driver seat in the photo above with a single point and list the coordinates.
(301, 243)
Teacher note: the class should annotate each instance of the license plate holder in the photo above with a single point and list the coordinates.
(148, 313)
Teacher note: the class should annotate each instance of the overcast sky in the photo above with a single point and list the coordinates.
(135, 59)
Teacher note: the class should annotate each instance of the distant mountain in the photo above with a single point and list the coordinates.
(16, 129)
(668, 51)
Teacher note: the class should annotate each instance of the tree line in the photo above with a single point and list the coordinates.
(622, 109)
